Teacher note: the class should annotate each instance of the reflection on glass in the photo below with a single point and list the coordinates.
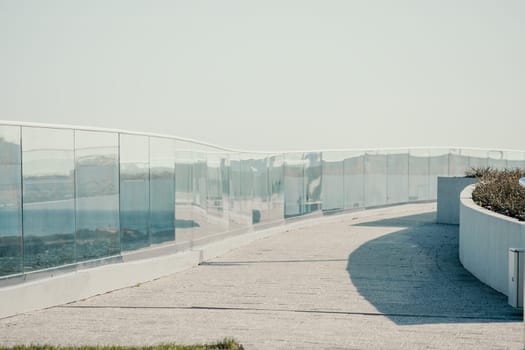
(248, 195)
(134, 191)
(240, 215)
(312, 181)
(199, 195)
(217, 217)
(184, 194)
(255, 170)
(418, 175)
(235, 192)
(294, 195)
(225, 187)
(262, 192)
(276, 187)
(162, 189)
(397, 170)
(97, 201)
(48, 192)
(333, 181)
(10, 201)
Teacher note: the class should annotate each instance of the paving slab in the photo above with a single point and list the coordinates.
(386, 278)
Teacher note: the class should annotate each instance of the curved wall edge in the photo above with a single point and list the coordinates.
(485, 238)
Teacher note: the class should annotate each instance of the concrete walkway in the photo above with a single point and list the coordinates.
(386, 278)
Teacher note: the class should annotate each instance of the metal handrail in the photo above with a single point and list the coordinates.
(233, 150)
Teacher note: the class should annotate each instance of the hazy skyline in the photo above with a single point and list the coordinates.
(272, 75)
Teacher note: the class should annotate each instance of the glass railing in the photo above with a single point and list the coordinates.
(74, 195)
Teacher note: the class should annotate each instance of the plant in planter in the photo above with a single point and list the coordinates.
(499, 191)
(478, 173)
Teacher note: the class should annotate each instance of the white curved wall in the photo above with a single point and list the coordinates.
(484, 241)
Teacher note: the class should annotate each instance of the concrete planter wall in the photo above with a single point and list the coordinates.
(484, 241)
(449, 189)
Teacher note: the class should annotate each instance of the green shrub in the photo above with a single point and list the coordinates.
(499, 191)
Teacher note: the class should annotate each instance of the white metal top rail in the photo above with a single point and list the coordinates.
(232, 150)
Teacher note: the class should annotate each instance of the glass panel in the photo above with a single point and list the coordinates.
(134, 191)
(162, 189)
(10, 201)
(215, 203)
(48, 192)
(184, 222)
(312, 181)
(333, 181)
(258, 171)
(418, 175)
(439, 159)
(294, 195)
(376, 179)
(248, 189)
(515, 159)
(476, 158)
(225, 188)
(496, 159)
(397, 182)
(354, 180)
(276, 183)
(458, 163)
(97, 200)
(199, 195)
(239, 216)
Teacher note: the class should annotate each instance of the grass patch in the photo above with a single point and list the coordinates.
(499, 191)
(226, 344)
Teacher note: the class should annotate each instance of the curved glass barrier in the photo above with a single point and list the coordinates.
(398, 166)
(353, 180)
(10, 201)
(134, 192)
(332, 181)
(73, 195)
(162, 189)
(97, 218)
(48, 197)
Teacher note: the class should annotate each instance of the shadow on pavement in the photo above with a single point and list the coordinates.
(414, 276)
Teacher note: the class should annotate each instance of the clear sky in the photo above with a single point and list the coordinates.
(272, 74)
